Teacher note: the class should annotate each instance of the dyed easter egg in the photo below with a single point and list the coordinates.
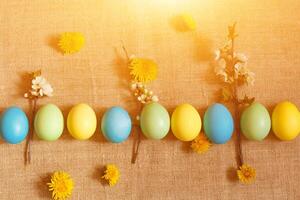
(14, 125)
(49, 122)
(185, 122)
(116, 124)
(255, 122)
(286, 121)
(82, 122)
(218, 123)
(155, 121)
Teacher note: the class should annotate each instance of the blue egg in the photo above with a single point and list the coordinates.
(218, 123)
(14, 125)
(116, 124)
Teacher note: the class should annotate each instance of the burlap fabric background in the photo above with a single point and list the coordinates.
(269, 34)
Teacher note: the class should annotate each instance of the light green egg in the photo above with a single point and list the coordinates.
(155, 121)
(49, 122)
(255, 122)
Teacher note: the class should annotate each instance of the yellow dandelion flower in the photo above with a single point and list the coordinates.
(143, 69)
(111, 174)
(188, 22)
(184, 22)
(71, 42)
(246, 174)
(61, 185)
(201, 144)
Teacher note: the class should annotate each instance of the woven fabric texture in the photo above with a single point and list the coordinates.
(269, 33)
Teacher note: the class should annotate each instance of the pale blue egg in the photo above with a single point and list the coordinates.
(116, 124)
(14, 125)
(218, 124)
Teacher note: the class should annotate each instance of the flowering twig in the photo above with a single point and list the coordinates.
(232, 68)
(142, 71)
(39, 88)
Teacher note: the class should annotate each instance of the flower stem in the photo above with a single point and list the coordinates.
(33, 103)
(136, 145)
(240, 159)
(137, 142)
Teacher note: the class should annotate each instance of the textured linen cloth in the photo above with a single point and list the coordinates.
(268, 33)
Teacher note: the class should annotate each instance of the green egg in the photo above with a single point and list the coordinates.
(49, 122)
(155, 121)
(255, 122)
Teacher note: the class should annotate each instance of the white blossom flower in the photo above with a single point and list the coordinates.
(241, 70)
(133, 86)
(47, 89)
(250, 78)
(241, 57)
(142, 94)
(39, 88)
(217, 54)
(220, 70)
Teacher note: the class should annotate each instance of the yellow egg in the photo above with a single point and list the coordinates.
(185, 122)
(286, 121)
(82, 122)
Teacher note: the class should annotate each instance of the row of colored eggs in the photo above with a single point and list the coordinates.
(155, 123)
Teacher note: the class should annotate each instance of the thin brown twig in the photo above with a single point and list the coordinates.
(240, 159)
(136, 145)
(30, 136)
(136, 126)
(137, 142)
(125, 51)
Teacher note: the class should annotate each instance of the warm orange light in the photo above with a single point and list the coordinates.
(166, 4)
